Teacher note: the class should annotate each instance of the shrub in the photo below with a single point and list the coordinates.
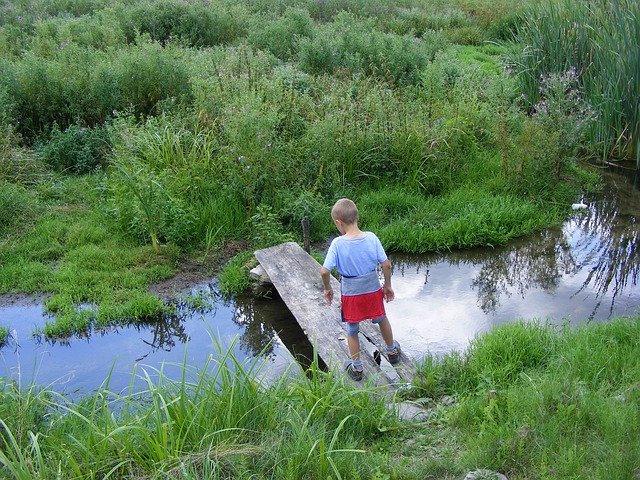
(279, 36)
(100, 31)
(84, 86)
(562, 109)
(145, 75)
(142, 204)
(358, 47)
(329, 10)
(266, 229)
(417, 20)
(49, 91)
(169, 184)
(294, 205)
(74, 8)
(197, 24)
(77, 149)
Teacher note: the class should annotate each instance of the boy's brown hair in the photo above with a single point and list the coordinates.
(345, 211)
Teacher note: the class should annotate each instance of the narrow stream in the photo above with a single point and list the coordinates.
(587, 270)
(126, 355)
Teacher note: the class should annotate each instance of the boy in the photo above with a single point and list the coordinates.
(356, 255)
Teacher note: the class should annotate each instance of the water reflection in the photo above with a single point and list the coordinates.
(608, 242)
(265, 317)
(586, 270)
(194, 336)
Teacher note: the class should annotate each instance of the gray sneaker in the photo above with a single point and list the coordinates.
(394, 355)
(354, 374)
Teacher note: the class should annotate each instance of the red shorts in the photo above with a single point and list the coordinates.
(367, 306)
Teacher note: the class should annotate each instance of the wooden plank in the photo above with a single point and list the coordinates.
(406, 368)
(296, 276)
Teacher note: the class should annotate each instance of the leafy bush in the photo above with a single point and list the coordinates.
(418, 20)
(142, 203)
(358, 47)
(563, 110)
(279, 36)
(198, 24)
(75, 8)
(77, 149)
(329, 10)
(100, 31)
(168, 185)
(84, 86)
(45, 93)
(144, 75)
(295, 205)
(266, 229)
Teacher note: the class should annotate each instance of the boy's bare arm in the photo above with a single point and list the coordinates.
(326, 281)
(387, 290)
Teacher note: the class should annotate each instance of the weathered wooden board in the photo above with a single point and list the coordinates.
(296, 276)
(406, 368)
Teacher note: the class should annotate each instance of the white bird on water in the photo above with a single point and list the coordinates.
(579, 206)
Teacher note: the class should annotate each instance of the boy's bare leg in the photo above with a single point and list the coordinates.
(354, 346)
(385, 330)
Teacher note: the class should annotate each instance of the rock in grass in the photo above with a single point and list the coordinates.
(484, 475)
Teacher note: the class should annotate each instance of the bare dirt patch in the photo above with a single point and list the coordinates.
(22, 299)
(194, 271)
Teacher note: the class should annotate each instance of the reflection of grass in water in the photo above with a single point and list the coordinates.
(609, 244)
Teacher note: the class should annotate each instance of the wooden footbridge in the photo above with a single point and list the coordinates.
(296, 276)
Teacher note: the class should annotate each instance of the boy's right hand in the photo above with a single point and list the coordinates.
(388, 294)
(328, 296)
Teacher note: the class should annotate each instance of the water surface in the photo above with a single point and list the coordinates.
(79, 365)
(587, 270)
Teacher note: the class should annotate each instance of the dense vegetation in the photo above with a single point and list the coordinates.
(134, 135)
(531, 401)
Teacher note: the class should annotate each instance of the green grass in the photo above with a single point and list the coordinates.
(462, 219)
(560, 402)
(68, 252)
(532, 401)
(217, 421)
(4, 335)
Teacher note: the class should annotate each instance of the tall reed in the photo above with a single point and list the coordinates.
(601, 40)
(221, 418)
